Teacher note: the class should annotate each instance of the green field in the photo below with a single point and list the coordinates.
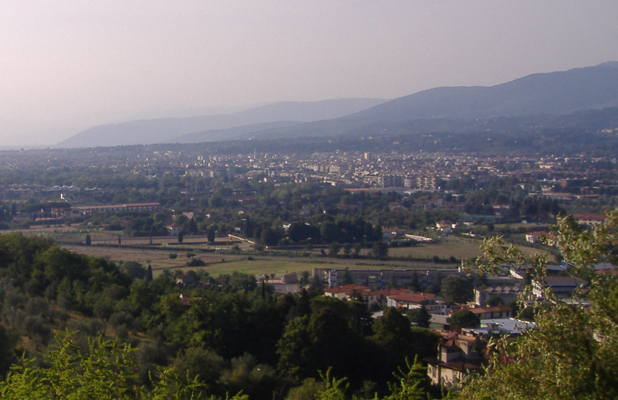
(158, 256)
(528, 227)
(257, 267)
(464, 250)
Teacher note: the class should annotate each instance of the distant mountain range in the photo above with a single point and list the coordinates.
(454, 108)
(531, 101)
(212, 127)
(230, 133)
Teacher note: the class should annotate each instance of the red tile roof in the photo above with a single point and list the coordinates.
(390, 292)
(483, 310)
(413, 297)
(346, 289)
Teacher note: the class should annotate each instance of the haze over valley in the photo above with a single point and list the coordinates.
(287, 200)
(72, 68)
(445, 109)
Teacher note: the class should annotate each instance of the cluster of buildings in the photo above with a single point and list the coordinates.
(461, 351)
(454, 175)
(65, 210)
(564, 177)
(131, 207)
(412, 171)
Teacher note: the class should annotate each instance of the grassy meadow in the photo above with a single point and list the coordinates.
(466, 249)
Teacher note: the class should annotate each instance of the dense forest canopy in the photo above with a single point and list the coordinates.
(238, 337)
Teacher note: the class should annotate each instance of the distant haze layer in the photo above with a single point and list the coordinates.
(69, 66)
(446, 109)
(173, 129)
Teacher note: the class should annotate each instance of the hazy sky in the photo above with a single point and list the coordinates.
(68, 65)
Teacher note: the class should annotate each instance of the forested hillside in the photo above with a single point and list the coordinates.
(231, 335)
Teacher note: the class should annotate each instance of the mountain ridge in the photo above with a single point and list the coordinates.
(557, 93)
(149, 131)
(552, 93)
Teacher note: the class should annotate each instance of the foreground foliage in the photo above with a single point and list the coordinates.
(106, 371)
(572, 353)
(229, 335)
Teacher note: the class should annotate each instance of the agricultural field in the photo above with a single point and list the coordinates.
(158, 256)
(520, 226)
(158, 259)
(157, 253)
(259, 267)
(216, 264)
(465, 249)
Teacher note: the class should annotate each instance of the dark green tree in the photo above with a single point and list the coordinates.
(457, 289)
(415, 282)
(495, 301)
(211, 235)
(304, 305)
(311, 344)
(333, 249)
(380, 250)
(356, 249)
(134, 269)
(425, 341)
(464, 319)
(420, 317)
(269, 237)
(149, 273)
(329, 232)
(347, 249)
(204, 364)
(347, 277)
(392, 331)
(7, 357)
